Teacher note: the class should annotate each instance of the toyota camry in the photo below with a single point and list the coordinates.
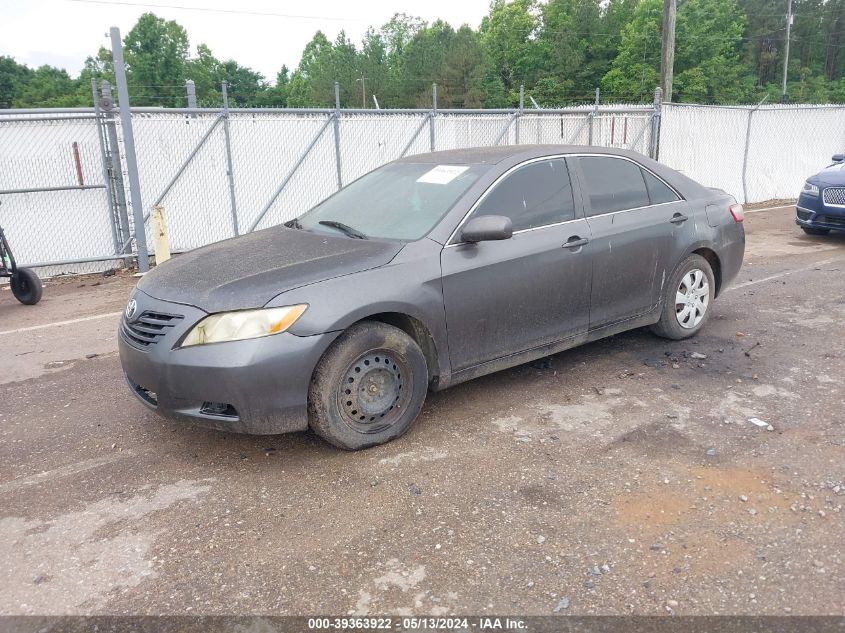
(426, 272)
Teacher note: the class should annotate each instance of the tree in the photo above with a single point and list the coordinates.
(636, 69)
(508, 37)
(243, 84)
(49, 87)
(313, 82)
(205, 71)
(156, 53)
(276, 96)
(424, 62)
(13, 79)
(707, 52)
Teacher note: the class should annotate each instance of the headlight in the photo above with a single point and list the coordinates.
(242, 325)
(810, 190)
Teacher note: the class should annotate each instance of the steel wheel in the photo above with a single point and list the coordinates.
(692, 299)
(371, 397)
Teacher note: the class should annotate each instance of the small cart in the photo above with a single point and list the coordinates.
(26, 286)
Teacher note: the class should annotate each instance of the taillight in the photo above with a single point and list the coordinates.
(737, 212)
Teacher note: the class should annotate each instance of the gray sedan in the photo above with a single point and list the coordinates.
(427, 272)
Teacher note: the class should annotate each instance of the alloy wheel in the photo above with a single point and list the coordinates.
(692, 298)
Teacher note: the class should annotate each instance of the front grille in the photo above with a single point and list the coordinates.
(804, 215)
(831, 219)
(834, 196)
(149, 328)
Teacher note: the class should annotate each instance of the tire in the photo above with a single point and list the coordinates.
(26, 286)
(368, 388)
(693, 279)
(810, 231)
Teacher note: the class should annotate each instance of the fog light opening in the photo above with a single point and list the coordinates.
(220, 409)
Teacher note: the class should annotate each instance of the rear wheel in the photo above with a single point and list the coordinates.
(686, 299)
(26, 286)
(811, 231)
(368, 388)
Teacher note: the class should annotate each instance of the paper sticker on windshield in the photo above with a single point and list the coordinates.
(442, 174)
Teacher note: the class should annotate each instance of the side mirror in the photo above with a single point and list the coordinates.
(485, 228)
(838, 158)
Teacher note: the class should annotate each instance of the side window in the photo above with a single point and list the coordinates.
(658, 192)
(535, 195)
(613, 184)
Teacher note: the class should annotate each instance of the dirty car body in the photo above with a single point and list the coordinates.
(580, 258)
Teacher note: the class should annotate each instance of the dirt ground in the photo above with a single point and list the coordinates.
(622, 477)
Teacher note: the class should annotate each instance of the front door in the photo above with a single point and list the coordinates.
(504, 297)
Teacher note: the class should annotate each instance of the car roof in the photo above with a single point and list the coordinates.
(500, 158)
(497, 153)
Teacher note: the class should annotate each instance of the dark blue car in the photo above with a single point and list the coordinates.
(821, 205)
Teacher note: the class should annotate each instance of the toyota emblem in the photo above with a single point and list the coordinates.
(131, 309)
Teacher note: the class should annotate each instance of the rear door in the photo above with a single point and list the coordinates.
(503, 297)
(635, 219)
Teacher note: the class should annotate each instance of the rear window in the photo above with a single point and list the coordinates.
(613, 184)
(658, 192)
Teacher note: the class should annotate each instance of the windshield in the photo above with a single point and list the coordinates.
(399, 201)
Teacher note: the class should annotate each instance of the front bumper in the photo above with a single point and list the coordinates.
(813, 212)
(259, 386)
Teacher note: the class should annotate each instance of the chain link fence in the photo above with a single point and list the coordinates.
(755, 153)
(217, 173)
(53, 199)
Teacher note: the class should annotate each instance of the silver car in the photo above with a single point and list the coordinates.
(427, 272)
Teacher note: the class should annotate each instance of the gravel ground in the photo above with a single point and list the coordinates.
(622, 477)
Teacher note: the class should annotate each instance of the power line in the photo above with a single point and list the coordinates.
(211, 10)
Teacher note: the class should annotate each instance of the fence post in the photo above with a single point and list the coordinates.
(129, 146)
(98, 119)
(337, 133)
(432, 116)
(115, 167)
(747, 145)
(591, 116)
(191, 91)
(521, 111)
(230, 174)
(162, 238)
(654, 146)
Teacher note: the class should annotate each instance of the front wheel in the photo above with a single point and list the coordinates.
(686, 300)
(811, 231)
(368, 388)
(26, 286)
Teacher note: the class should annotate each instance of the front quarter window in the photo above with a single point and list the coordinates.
(399, 201)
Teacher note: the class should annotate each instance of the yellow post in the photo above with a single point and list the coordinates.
(162, 241)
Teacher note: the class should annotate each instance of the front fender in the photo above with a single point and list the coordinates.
(409, 285)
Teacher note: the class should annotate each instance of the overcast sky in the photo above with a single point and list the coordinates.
(64, 32)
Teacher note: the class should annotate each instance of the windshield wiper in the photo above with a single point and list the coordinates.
(344, 228)
(293, 224)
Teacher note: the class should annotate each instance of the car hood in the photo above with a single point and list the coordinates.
(833, 175)
(248, 271)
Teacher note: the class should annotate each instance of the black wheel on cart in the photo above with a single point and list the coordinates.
(26, 286)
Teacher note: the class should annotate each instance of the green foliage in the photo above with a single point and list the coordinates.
(727, 51)
(13, 80)
(156, 53)
(636, 70)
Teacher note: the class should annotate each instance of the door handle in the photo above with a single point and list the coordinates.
(576, 242)
(679, 218)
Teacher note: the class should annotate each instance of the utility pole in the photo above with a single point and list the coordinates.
(784, 98)
(363, 81)
(667, 51)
